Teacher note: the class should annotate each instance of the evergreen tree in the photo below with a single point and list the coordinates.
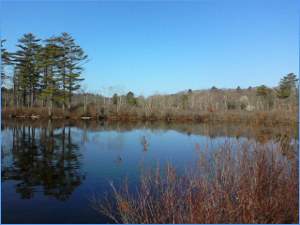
(115, 98)
(286, 85)
(27, 65)
(5, 60)
(214, 89)
(49, 60)
(266, 94)
(70, 66)
(64, 41)
(262, 91)
(130, 99)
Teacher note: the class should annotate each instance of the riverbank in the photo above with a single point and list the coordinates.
(269, 117)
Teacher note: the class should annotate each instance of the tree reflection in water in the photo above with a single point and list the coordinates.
(42, 157)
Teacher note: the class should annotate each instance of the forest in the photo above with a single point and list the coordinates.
(42, 79)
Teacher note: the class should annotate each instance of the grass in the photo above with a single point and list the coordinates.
(136, 113)
(242, 183)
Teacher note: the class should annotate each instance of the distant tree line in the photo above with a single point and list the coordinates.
(49, 70)
(48, 74)
(260, 98)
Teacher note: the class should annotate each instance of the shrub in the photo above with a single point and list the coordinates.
(242, 183)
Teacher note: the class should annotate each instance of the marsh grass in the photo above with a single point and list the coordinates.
(245, 183)
(137, 113)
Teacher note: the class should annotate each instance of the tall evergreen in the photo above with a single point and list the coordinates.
(27, 65)
(63, 41)
(286, 85)
(5, 60)
(266, 94)
(70, 66)
(49, 61)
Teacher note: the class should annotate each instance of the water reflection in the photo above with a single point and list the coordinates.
(289, 146)
(119, 159)
(144, 144)
(65, 159)
(42, 157)
(213, 130)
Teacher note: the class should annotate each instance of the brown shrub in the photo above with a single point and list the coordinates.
(247, 183)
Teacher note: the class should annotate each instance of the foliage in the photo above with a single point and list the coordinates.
(286, 85)
(49, 63)
(214, 88)
(231, 106)
(71, 64)
(184, 99)
(51, 72)
(115, 98)
(266, 94)
(5, 60)
(26, 60)
(130, 99)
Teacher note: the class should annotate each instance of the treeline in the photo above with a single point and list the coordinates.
(47, 70)
(45, 80)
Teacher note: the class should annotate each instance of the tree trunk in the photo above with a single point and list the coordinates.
(15, 100)
(28, 103)
(50, 107)
(24, 98)
(30, 99)
(33, 97)
(64, 88)
(84, 104)
(70, 100)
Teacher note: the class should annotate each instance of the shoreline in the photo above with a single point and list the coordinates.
(258, 117)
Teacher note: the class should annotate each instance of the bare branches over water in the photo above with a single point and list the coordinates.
(250, 183)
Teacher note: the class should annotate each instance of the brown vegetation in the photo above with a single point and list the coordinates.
(260, 104)
(242, 183)
(140, 114)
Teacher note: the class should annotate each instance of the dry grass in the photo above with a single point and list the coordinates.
(138, 113)
(241, 183)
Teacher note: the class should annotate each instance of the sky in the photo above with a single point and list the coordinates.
(165, 47)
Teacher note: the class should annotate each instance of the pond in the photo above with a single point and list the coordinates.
(49, 169)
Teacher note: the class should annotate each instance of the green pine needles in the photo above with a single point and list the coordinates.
(50, 70)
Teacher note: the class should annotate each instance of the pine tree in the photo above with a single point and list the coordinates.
(49, 59)
(262, 91)
(5, 60)
(71, 66)
(286, 85)
(115, 98)
(64, 42)
(27, 65)
(130, 99)
(266, 94)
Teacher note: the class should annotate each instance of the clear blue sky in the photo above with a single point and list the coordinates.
(166, 47)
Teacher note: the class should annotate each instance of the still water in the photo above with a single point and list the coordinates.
(50, 168)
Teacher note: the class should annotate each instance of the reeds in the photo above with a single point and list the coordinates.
(242, 182)
(138, 113)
